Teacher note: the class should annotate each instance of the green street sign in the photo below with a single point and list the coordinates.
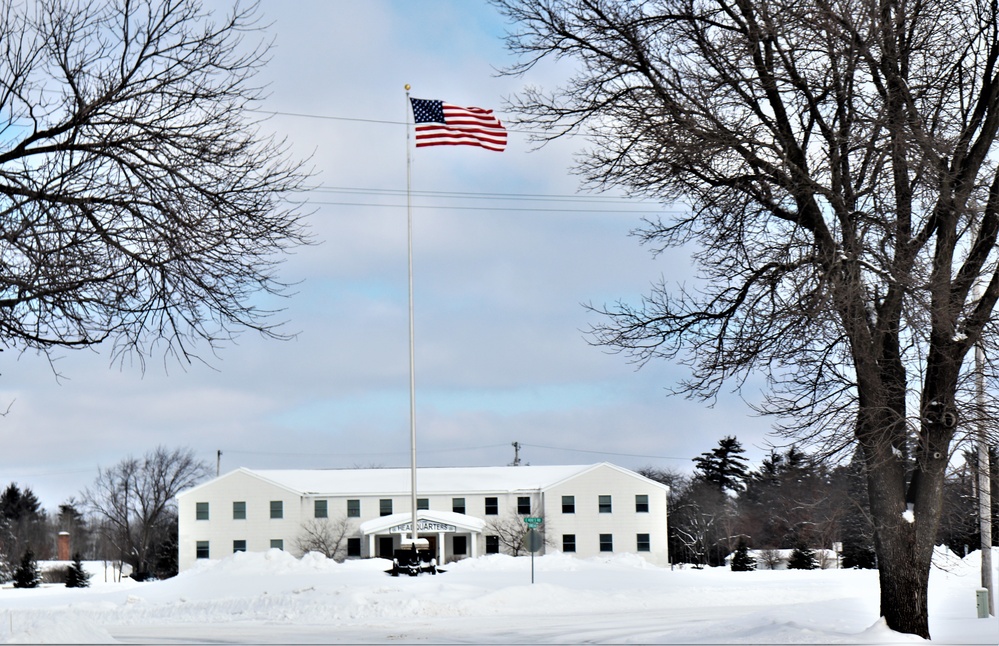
(533, 521)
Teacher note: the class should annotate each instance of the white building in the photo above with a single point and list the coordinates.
(587, 510)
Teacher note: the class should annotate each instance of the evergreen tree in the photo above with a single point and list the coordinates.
(77, 577)
(16, 504)
(724, 466)
(27, 575)
(741, 560)
(857, 530)
(23, 522)
(857, 555)
(802, 558)
(5, 572)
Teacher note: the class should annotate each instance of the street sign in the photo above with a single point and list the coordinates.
(533, 521)
(533, 540)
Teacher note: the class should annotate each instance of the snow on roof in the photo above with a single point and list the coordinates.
(381, 524)
(430, 480)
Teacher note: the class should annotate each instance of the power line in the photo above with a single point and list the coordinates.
(541, 197)
(467, 448)
(340, 455)
(472, 208)
(327, 117)
(605, 202)
(626, 455)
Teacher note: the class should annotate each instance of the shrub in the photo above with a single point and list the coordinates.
(741, 560)
(771, 558)
(802, 558)
(77, 577)
(26, 575)
(57, 574)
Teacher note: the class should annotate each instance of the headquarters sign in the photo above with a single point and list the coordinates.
(423, 526)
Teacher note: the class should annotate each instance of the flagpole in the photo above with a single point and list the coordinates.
(412, 354)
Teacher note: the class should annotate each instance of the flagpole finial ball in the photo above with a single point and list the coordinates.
(408, 88)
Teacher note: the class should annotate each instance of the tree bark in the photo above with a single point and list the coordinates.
(836, 159)
(902, 570)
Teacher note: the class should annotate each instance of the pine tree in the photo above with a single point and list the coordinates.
(5, 571)
(724, 466)
(802, 558)
(27, 575)
(76, 576)
(856, 528)
(741, 560)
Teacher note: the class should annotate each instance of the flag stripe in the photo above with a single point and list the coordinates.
(492, 135)
(443, 124)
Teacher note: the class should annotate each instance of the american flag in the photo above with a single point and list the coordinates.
(443, 124)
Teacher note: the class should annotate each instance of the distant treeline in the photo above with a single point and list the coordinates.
(797, 500)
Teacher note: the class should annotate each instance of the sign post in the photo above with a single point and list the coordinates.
(532, 539)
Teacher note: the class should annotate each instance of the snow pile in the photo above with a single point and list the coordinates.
(273, 597)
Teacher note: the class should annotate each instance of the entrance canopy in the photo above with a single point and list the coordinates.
(427, 521)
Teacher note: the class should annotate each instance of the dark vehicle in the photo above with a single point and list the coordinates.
(413, 562)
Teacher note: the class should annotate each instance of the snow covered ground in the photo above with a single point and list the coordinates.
(275, 598)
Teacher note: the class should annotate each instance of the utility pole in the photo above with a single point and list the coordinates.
(984, 473)
(218, 463)
(516, 454)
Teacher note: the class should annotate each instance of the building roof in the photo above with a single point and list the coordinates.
(430, 480)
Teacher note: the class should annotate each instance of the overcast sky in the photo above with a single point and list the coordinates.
(500, 282)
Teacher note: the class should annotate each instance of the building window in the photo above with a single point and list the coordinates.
(644, 545)
(238, 546)
(277, 543)
(605, 504)
(492, 544)
(239, 510)
(201, 551)
(568, 542)
(492, 506)
(353, 547)
(606, 543)
(568, 504)
(458, 505)
(423, 503)
(322, 509)
(524, 505)
(385, 507)
(641, 503)
(460, 546)
(353, 509)
(201, 510)
(277, 509)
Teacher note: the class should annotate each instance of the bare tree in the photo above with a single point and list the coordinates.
(512, 532)
(135, 499)
(328, 536)
(838, 163)
(770, 558)
(139, 202)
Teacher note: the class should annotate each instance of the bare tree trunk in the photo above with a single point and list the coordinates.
(903, 578)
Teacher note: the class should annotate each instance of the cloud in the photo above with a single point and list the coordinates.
(499, 284)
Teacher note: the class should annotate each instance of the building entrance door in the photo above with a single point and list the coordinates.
(386, 544)
(432, 540)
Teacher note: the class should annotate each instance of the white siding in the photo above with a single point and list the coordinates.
(624, 524)
(586, 484)
(221, 529)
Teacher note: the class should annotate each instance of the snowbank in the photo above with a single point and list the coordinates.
(275, 598)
